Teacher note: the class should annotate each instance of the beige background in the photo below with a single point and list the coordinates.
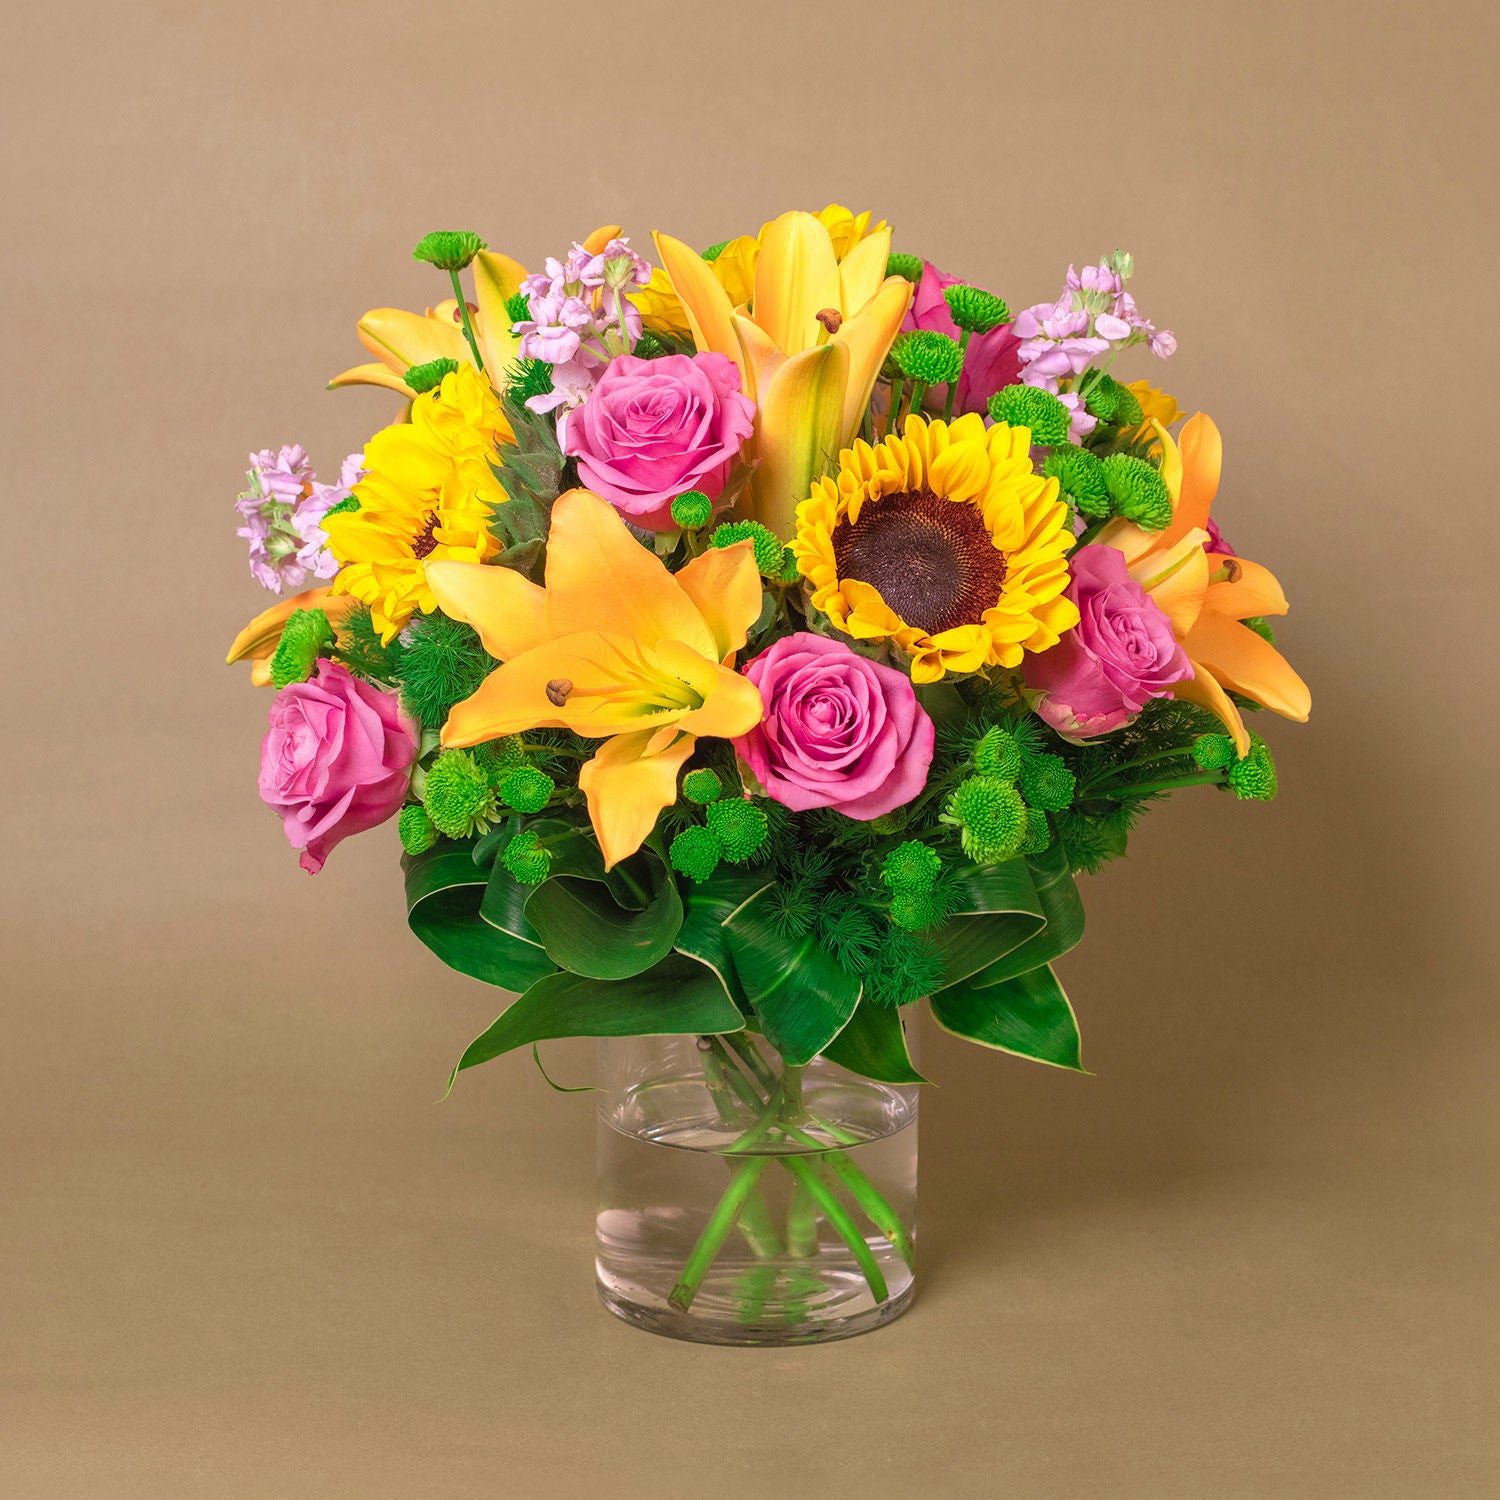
(243, 1253)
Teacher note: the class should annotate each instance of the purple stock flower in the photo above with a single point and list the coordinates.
(283, 510)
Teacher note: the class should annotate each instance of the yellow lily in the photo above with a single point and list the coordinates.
(399, 339)
(257, 642)
(808, 348)
(1206, 594)
(615, 648)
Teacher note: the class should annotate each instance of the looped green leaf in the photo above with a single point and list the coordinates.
(447, 908)
(1028, 1015)
(801, 995)
(998, 910)
(586, 930)
(707, 907)
(1062, 907)
(873, 1044)
(679, 997)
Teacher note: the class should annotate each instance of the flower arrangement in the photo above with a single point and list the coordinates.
(760, 640)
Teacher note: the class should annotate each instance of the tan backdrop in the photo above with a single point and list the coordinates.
(244, 1253)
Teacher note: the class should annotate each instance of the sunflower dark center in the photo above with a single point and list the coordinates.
(425, 541)
(932, 559)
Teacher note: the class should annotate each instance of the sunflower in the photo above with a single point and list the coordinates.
(427, 493)
(944, 541)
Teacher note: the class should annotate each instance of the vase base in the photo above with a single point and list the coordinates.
(716, 1326)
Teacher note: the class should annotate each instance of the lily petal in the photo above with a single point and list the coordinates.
(796, 277)
(496, 278)
(1201, 688)
(600, 237)
(1253, 591)
(801, 432)
(868, 335)
(761, 358)
(381, 375)
(862, 270)
(1202, 451)
(1242, 660)
(261, 636)
(508, 610)
(724, 584)
(706, 303)
(401, 339)
(627, 788)
(731, 703)
(591, 548)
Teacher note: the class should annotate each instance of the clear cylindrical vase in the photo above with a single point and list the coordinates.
(743, 1200)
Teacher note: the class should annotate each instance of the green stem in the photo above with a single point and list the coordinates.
(839, 1220)
(801, 1222)
(877, 1209)
(893, 411)
(918, 395)
(759, 1228)
(463, 312)
(1110, 772)
(1205, 778)
(963, 349)
(752, 1059)
(716, 1231)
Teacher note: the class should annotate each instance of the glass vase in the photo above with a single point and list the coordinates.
(743, 1200)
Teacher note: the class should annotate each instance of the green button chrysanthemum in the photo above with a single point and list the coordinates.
(448, 249)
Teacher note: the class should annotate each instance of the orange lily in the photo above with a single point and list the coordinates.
(1206, 594)
(615, 648)
(257, 642)
(399, 339)
(809, 347)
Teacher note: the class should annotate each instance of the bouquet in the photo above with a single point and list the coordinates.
(750, 644)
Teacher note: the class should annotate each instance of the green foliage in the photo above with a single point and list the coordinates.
(916, 910)
(458, 796)
(443, 664)
(448, 249)
(928, 357)
(740, 827)
(692, 509)
(526, 859)
(417, 831)
(1047, 783)
(1080, 476)
(1261, 626)
(911, 867)
(427, 377)
(903, 969)
(768, 550)
(528, 378)
(360, 648)
(715, 251)
(652, 346)
(525, 789)
(345, 506)
(909, 267)
(305, 637)
(1031, 407)
(973, 310)
(1091, 838)
(696, 852)
(1137, 491)
(848, 931)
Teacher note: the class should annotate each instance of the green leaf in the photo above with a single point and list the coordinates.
(998, 911)
(1028, 1015)
(707, 907)
(679, 997)
(445, 908)
(1063, 908)
(584, 929)
(801, 995)
(874, 1045)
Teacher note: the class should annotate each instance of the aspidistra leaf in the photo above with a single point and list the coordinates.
(873, 1044)
(1029, 1016)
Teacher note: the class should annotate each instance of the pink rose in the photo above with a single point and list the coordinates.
(1121, 653)
(335, 760)
(992, 359)
(839, 730)
(654, 428)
